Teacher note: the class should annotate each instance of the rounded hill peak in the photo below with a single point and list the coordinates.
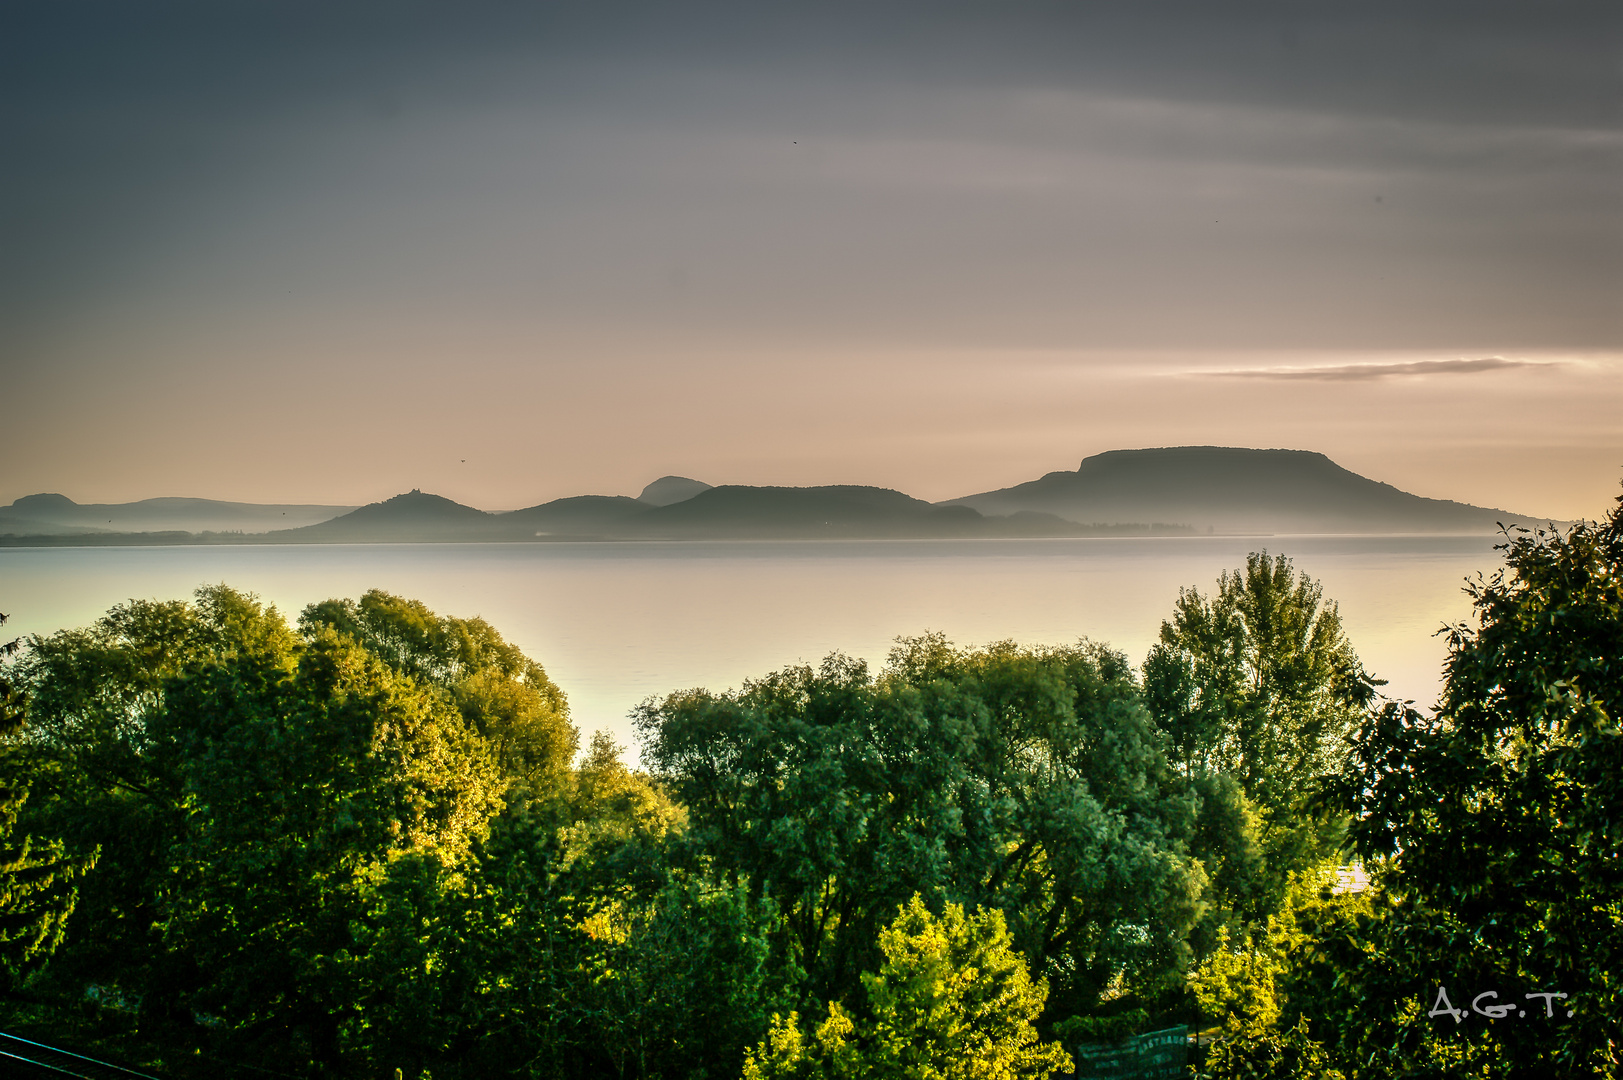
(668, 490)
(43, 501)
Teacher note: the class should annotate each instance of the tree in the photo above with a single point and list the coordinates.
(504, 694)
(572, 947)
(1249, 982)
(1257, 688)
(1028, 780)
(36, 877)
(1258, 681)
(1496, 818)
(300, 794)
(262, 798)
(11, 705)
(952, 1000)
(96, 787)
(677, 985)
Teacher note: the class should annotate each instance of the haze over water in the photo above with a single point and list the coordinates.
(616, 623)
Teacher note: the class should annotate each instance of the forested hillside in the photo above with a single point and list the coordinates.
(369, 842)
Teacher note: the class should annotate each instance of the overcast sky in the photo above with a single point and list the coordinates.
(506, 252)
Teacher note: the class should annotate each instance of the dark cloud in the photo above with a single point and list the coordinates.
(1365, 372)
(1045, 172)
(1485, 61)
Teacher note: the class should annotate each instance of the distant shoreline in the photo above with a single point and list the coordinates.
(1167, 491)
(59, 542)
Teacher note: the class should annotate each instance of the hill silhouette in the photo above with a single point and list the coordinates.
(731, 512)
(736, 511)
(1169, 490)
(578, 515)
(671, 489)
(53, 514)
(833, 510)
(415, 517)
(1231, 489)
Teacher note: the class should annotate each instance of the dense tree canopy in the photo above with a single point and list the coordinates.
(249, 789)
(951, 1000)
(503, 693)
(1497, 815)
(1029, 780)
(361, 846)
(1491, 944)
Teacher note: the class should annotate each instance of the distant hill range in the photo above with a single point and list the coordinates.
(46, 515)
(728, 512)
(1171, 491)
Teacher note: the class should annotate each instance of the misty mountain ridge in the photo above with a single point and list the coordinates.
(54, 514)
(726, 512)
(1161, 491)
(843, 510)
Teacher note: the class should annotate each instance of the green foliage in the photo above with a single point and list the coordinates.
(1352, 977)
(1258, 681)
(1102, 1029)
(1498, 817)
(1027, 780)
(1255, 975)
(952, 1000)
(310, 785)
(36, 877)
(613, 815)
(1273, 989)
(37, 893)
(568, 947)
(1231, 837)
(1257, 688)
(254, 793)
(361, 847)
(1238, 980)
(680, 985)
(1260, 1053)
(11, 701)
(506, 696)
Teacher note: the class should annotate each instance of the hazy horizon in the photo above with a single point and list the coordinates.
(631, 493)
(301, 252)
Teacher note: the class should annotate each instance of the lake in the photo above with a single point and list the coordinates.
(614, 623)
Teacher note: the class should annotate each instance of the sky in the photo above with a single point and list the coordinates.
(507, 252)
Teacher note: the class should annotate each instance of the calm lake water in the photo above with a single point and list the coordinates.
(616, 623)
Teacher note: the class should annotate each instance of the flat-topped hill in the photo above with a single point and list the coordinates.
(1231, 489)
